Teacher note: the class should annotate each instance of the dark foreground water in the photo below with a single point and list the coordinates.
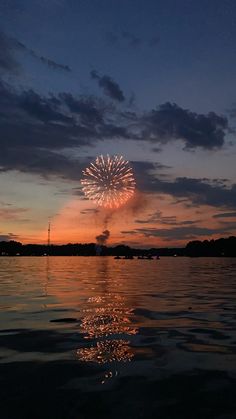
(102, 338)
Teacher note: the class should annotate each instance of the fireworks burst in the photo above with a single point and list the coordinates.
(109, 181)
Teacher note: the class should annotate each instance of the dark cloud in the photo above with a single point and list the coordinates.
(225, 215)
(29, 120)
(157, 149)
(41, 108)
(41, 162)
(198, 191)
(170, 121)
(8, 237)
(189, 191)
(8, 62)
(35, 130)
(110, 87)
(89, 211)
(34, 127)
(90, 110)
(110, 130)
(53, 64)
(180, 233)
(145, 173)
(148, 167)
(158, 217)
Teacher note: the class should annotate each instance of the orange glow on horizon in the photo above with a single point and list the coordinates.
(136, 224)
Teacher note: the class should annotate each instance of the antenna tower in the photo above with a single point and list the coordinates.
(49, 233)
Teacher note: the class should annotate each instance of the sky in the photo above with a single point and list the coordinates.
(151, 80)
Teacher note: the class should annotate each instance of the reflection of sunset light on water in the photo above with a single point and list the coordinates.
(106, 351)
(111, 318)
(108, 316)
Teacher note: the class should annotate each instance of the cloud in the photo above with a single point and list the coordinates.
(145, 174)
(157, 149)
(31, 120)
(82, 118)
(8, 237)
(90, 211)
(40, 162)
(180, 233)
(36, 129)
(8, 63)
(158, 217)
(225, 215)
(91, 110)
(41, 108)
(190, 191)
(198, 191)
(52, 64)
(110, 87)
(170, 121)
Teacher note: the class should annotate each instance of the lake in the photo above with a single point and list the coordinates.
(95, 337)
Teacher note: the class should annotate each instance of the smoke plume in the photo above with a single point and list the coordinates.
(102, 238)
(136, 204)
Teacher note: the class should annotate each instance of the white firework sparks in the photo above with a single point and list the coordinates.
(109, 181)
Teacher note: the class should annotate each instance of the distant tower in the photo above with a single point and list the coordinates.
(49, 233)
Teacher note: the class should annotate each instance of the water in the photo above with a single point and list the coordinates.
(98, 337)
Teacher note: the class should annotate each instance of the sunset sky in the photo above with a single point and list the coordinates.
(154, 81)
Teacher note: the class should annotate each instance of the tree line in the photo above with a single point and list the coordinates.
(219, 247)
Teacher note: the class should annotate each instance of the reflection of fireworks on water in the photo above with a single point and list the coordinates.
(106, 351)
(108, 318)
(107, 321)
(109, 181)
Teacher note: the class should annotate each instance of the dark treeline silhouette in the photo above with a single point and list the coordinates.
(220, 247)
